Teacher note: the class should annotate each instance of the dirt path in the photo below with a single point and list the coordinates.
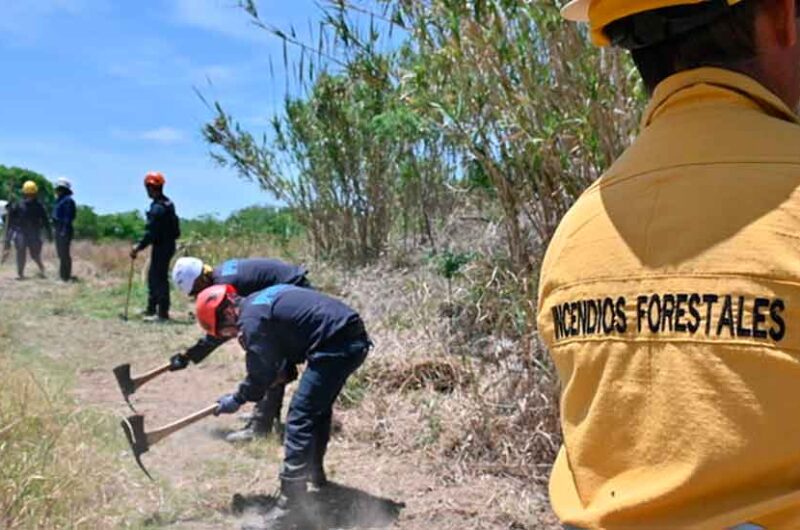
(197, 473)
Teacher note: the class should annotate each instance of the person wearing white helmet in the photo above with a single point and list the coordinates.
(64, 212)
(247, 276)
(669, 295)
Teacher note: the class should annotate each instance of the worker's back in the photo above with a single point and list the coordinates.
(670, 300)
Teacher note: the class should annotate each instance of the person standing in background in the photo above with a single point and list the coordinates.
(161, 231)
(26, 222)
(63, 217)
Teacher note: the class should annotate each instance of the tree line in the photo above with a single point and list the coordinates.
(277, 223)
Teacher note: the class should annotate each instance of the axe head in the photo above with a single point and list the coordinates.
(133, 426)
(126, 384)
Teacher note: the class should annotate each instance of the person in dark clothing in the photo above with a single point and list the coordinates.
(247, 276)
(27, 219)
(279, 327)
(162, 230)
(63, 217)
(6, 215)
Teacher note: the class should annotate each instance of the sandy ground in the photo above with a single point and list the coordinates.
(202, 482)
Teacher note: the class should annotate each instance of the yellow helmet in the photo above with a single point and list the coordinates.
(30, 188)
(600, 13)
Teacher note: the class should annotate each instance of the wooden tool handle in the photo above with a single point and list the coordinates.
(147, 376)
(162, 432)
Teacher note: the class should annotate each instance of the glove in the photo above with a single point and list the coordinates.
(178, 362)
(134, 252)
(227, 404)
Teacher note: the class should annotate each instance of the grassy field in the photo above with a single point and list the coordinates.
(408, 454)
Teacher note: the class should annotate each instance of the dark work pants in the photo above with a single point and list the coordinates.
(268, 409)
(25, 243)
(308, 422)
(63, 242)
(158, 278)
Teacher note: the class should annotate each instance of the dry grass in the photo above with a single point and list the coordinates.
(473, 395)
(51, 472)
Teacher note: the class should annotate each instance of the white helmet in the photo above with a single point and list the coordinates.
(185, 273)
(63, 183)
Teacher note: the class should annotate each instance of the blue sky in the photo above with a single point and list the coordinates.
(101, 91)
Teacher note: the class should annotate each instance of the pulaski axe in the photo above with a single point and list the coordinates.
(141, 441)
(128, 385)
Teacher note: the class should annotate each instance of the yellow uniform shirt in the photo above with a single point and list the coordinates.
(670, 301)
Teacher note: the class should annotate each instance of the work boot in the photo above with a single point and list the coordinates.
(158, 319)
(252, 431)
(317, 477)
(245, 417)
(288, 509)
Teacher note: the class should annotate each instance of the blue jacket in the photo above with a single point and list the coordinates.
(64, 215)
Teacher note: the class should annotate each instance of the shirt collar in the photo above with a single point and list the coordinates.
(721, 79)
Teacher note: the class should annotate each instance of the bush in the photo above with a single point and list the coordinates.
(127, 226)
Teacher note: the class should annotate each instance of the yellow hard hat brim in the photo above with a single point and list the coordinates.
(576, 11)
(599, 13)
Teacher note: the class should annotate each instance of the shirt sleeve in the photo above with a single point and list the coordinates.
(203, 348)
(69, 217)
(263, 365)
(154, 220)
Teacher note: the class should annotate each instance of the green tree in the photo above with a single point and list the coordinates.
(348, 156)
(12, 178)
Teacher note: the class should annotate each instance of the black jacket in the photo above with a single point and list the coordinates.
(163, 225)
(30, 217)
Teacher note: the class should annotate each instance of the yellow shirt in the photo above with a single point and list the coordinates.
(670, 301)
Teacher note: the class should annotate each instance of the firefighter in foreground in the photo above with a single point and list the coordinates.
(247, 276)
(670, 292)
(161, 231)
(279, 327)
(27, 220)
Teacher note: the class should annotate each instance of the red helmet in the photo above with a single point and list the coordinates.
(154, 178)
(207, 306)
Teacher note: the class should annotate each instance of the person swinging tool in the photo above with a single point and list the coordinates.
(670, 292)
(247, 276)
(279, 327)
(161, 231)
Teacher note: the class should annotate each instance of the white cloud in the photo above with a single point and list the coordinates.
(220, 16)
(24, 22)
(164, 135)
